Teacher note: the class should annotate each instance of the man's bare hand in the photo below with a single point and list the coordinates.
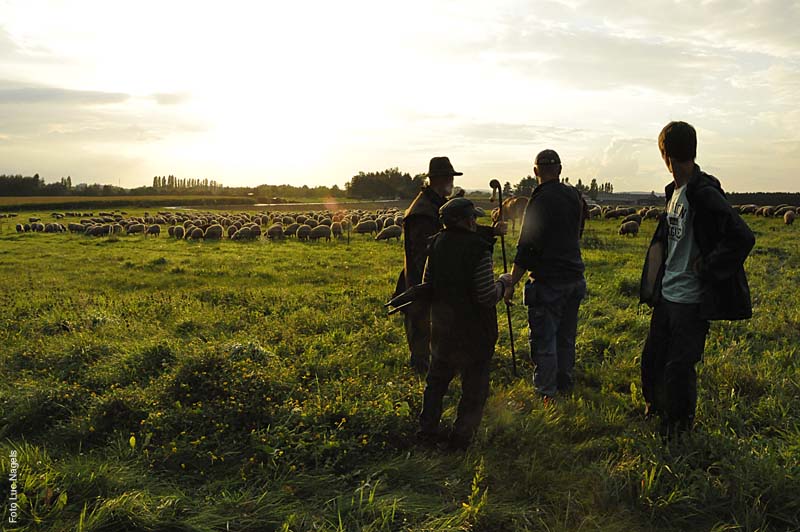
(508, 295)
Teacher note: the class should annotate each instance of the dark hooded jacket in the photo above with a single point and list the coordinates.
(420, 222)
(724, 241)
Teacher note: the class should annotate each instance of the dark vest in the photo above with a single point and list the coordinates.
(461, 329)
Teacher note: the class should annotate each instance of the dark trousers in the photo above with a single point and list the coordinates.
(553, 320)
(674, 345)
(417, 322)
(474, 392)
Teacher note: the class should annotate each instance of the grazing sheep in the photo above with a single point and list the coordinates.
(652, 214)
(367, 226)
(76, 228)
(99, 230)
(393, 231)
(255, 231)
(779, 212)
(179, 232)
(154, 230)
(195, 234)
(33, 219)
(788, 217)
(214, 232)
(326, 221)
(287, 220)
(312, 223)
(275, 231)
(303, 232)
(232, 230)
(20, 228)
(595, 212)
(633, 218)
(320, 231)
(291, 229)
(243, 234)
(629, 228)
(336, 229)
(135, 229)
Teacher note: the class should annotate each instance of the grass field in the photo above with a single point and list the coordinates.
(197, 386)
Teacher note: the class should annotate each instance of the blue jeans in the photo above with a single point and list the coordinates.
(553, 321)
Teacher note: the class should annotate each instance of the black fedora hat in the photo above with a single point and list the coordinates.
(441, 167)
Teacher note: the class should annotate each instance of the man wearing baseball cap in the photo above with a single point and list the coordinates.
(549, 248)
(464, 293)
(420, 223)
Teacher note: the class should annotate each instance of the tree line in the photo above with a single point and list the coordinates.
(527, 184)
(18, 185)
(386, 184)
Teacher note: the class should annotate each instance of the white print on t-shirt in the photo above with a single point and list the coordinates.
(676, 218)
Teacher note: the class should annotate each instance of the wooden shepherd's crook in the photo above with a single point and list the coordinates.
(496, 187)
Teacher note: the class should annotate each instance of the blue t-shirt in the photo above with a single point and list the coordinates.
(681, 284)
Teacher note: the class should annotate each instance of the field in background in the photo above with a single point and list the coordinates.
(158, 384)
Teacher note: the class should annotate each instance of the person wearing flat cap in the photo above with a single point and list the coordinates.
(463, 296)
(549, 248)
(420, 222)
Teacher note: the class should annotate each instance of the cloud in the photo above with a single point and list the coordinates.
(15, 52)
(515, 134)
(592, 59)
(770, 27)
(170, 98)
(7, 45)
(36, 118)
(11, 94)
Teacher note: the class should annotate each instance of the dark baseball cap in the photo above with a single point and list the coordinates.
(457, 209)
(547, 157)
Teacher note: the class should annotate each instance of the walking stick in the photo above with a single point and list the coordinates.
(495, 184)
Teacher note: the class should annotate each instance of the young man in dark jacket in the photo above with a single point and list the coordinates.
(693, 273)
(463, 320)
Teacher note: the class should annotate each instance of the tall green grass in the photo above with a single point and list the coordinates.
(153, 384)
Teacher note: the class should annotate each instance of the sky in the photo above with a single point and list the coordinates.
(312, 92)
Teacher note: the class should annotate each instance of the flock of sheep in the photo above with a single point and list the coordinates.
(385, 224)
(787, 212)
(632, 218)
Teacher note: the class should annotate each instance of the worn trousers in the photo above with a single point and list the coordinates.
(417, 322)
(553, 320)
(674, 345)
(474, 392)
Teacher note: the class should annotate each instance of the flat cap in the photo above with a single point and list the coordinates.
(457, 209)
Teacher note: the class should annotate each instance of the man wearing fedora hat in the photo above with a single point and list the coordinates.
(420, 223)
